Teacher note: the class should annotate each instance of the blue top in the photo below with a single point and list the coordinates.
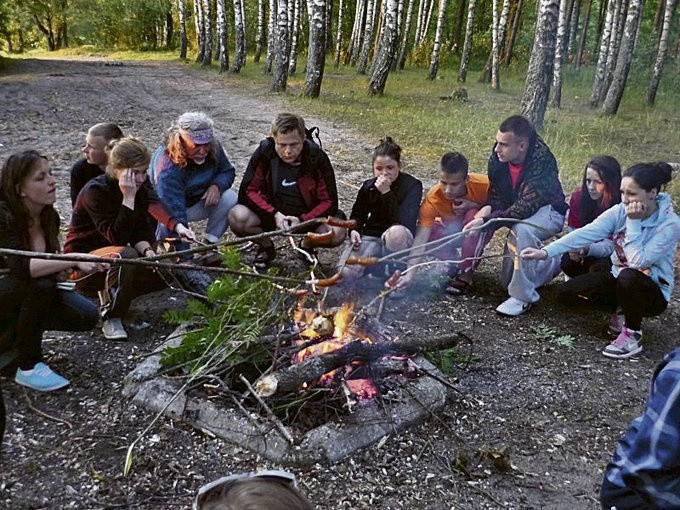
(647, 245)
(647, 457)
(180, 188)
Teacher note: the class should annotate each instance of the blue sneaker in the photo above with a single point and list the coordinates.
(40, 378)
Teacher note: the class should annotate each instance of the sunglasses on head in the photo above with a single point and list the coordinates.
(222, 485)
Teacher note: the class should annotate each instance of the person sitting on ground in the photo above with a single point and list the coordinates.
(643, 473)
(598, 192)
(386, 212)
(447, 207)
(523, 185)
(265, 490)
(289, 180)
(94, 164)
(31, 299)
(110, 220)
(645, 231)
(193, 176)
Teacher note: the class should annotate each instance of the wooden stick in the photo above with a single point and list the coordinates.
(44, 414)
(270, 414)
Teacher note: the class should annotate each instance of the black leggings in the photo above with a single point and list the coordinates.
(632, 291)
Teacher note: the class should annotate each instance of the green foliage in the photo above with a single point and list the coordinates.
(548, 334)
(447, 359)
(225, 327)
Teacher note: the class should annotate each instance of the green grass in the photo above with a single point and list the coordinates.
(413, 113)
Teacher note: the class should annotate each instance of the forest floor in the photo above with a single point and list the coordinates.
(533, 423)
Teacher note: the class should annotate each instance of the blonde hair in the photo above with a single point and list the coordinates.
(128, 152)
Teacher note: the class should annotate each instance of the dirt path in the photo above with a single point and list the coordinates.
(532, 427)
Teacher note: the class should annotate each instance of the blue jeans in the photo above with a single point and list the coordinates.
(28, 308)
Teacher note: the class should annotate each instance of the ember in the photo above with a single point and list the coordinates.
(328, 336)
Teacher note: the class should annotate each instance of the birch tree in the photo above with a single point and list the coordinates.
(615, 92)
(294, 37)
(386, 50)
(368, 36)
(420, 21)
(316, 56)
(540, 71)
(562, 34)
(510, 46)
(200, 30)
(601, 67)
(426, 23)
(338, 37)
(662, 52)
(240, 38)
(467, 45)
(207, 35)
(271, 37)
(181, 10)
(357, 30)
(584, 32)
(614, 45)
(404, 40)
(434, 61)
(222, 35)
(280, 75)
(259, 38)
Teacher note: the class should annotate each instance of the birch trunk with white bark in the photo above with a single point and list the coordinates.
(434, 60)
(661, 53)
(559, 54)
(467, 45)
(316, 56)
(181, 9)
(368, 36)
(280, 75)
(386, 50)
(222, 35)
(259, 38)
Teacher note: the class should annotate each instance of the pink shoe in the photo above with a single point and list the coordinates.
(627, 344)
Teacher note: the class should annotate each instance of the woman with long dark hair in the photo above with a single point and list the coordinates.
(31, 299)
(598, 192)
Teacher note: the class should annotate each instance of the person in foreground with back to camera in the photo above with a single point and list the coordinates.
(94, 164)
(110, 220)
(643, 473)
(193, 176)
(645, 231)
(289, 179)
(523, 185)
(264, 490)
(385, 210)
(599, 190)
(31, 300)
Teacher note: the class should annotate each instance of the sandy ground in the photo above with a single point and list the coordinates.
(532, 426)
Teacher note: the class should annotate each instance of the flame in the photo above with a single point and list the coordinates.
(362, 388)
(342, 319)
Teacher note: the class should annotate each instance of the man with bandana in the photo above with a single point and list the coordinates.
(193, 176)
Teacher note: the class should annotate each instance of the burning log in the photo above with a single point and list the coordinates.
(293, 377)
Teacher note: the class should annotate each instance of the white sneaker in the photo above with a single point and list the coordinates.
(513, 307)
(113, 330)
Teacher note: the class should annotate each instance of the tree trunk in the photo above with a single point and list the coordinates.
(573, 24)
(601, 68)
(181, 9)
(661, 53)
(584, 32)
(400, 24)
(316, 55)
(434, 61)
(614, 45)
(271, 37)
(222, 35)
(240, 35)
(457, 35)
(386, 50)
(280, 76)
(404, 40)
(357, 30)
(559, 54)
(207, 35)
(540, 71)
(615, 92)
(426, 24)
(467, 45)
(420, 22)
(368, 36)
(200, 29)
(327, 31)
(294, 36)
(497, 36)
(259, 38)
(512, 36)
(658, 20)
(338, 36)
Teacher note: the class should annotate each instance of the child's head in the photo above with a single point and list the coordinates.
(288, 132)
(98, 137)
(453, 175)
(387, 159)
(259, 491)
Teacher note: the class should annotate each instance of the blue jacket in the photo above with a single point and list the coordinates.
(647, 245)
(180, 188)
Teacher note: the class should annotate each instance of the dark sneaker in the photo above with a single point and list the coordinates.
(627, 344)
(41, 378)
(264, 256)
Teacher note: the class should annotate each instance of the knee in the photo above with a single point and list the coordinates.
(397, 237)
(239, 216)
(627, 278)
(128, 252)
